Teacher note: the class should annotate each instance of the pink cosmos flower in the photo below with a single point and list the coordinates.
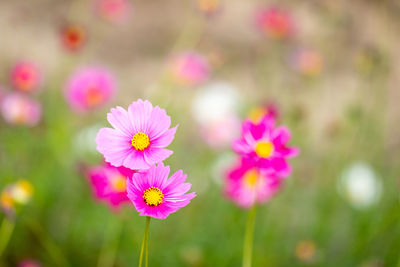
(26, 77)
(18, 109)
(257, 114)
(266, 145)
(90, 88)
(306, 61)
(189, 68)
(114, 11)
(109, 183)
(154, 194)
(275, 22)
(29, 263)
(247, 185)
(139, 136)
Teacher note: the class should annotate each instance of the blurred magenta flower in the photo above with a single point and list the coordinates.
(266, 145)
(189, 68)
(219, 134)
(139, 136)
(29, 263)
(306, 61)
(114, 11)
(257, 114)
(109, 183)
(73, 37)
(247, 185)
(155, 195)
(18, 109)
(26, 77)
(89, 88)
(275, 22)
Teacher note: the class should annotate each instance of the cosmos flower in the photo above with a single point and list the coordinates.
(139, 136)
(189, 68)
(73, 37)
(208, 7)
(247, 185)
(109, 183)
(266, 145)
(257, 114)
(275, 22)
(114, 11)
(154, 194)
(18, 193)
(26, 77)
(360, 185)
(18, 109)
(90, 88)
(306, 61)
(29, 263)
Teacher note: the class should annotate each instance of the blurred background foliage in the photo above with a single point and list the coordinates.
(345, 112)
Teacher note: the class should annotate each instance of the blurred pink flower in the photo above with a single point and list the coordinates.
(26, 77)
(266, 145)
(221, 133)
(275, 22)
(154, 194)
(189, 68)
(256, 115)
(90, 88)
(109, 183)
(29, 263)
(73, 37)
(307, 62)
(18, 109)
(208, 7)
(139, 136)
(247, 185)
(114, 11)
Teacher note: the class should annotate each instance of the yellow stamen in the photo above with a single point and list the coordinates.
(250, 178)
(153, 196)
(140, 141)
(118, 183)
(264, 149)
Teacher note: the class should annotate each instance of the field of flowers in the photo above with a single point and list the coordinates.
(199, 133)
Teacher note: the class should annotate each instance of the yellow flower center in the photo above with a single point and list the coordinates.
(264, 149)
(250, 178)
(118, 183)
(140, 141)
(153, 196)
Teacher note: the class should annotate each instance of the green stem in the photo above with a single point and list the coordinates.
(147, 245)
(144, 242)
(6, 230)
(248, 238)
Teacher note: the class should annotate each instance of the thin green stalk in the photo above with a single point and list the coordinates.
(6, 230)
(248, 238)
(147, 245)
(144, 242)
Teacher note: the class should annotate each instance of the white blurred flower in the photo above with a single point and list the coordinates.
(214, 102)
(215, 110)
(360, 185)
(84, 141)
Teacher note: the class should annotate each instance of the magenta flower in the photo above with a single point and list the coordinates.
(18, 109)
(139, 136)
(109, 183)
(189, 68)
(266, 146)
(155, 195)
(275, 22)
(26, 77)
(90, 88)
(247, 185)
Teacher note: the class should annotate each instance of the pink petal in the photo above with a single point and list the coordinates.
(159, 122)
(139, 113)
(156, 155)
(165, 139)
(113, 145)
(135, 161)
(119, 119)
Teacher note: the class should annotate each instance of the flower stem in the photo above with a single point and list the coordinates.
(6, 230)
(248, 238)
(145, 243)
